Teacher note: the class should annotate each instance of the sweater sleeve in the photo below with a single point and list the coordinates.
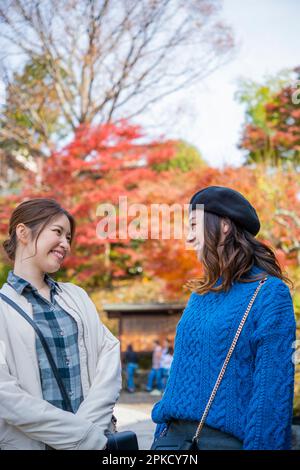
(269, 416)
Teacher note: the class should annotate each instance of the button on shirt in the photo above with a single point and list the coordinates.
(61, 333)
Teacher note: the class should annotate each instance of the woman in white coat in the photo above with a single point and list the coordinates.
(33, 412)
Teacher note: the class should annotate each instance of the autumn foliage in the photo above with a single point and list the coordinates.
(276, 198)
(101, 163)
(97, 166)
(272, 131)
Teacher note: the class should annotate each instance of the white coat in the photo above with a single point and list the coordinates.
(26, 420)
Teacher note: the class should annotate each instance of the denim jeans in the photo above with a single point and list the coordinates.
(131, 368)
(163, 377)
(154, 377)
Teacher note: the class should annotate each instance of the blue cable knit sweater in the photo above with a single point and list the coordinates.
(255, 399)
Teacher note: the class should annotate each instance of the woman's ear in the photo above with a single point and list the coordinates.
(225, 226)
(22, 233)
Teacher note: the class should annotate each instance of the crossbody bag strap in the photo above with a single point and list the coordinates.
(46, 349)
(229, 354)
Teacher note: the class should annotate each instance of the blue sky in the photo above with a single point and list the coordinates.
(267, 34)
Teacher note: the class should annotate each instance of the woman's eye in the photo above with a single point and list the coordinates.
(59, 232)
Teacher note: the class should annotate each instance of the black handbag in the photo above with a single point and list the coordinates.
(179, 440)
(174, 442)
(125, 440)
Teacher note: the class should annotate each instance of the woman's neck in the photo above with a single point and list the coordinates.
(32, 274)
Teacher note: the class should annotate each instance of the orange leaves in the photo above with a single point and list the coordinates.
(106, 162)
(269, 192)
(98, 166)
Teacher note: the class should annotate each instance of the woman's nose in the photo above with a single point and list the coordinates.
(65, 244)
(190, 237)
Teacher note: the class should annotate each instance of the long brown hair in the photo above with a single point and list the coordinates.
(232, 259)
(35, 214)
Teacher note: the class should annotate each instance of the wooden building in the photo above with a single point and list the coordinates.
(141, 324)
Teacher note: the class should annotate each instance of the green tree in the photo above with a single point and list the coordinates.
(29, 119)
(32, 105)
(186, 158)
(272, 118)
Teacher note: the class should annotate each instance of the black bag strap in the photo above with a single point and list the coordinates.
(54, 368)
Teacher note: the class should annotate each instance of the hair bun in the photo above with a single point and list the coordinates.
(9, 248)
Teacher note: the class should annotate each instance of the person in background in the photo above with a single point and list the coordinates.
(165, 348)
(154, 375)
(165, 366)
(131, 361)
(164, 351)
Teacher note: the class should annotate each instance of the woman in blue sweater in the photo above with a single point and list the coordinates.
(253, 407)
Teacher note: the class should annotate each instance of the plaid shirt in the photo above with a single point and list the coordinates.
(61, 333)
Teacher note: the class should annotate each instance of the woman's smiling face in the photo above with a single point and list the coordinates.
(56, 239)
(52, 245)
(196, 232)
(196, 237)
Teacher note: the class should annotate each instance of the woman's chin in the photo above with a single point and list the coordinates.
(51, 267)
(52, 264)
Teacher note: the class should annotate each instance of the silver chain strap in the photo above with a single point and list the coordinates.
(219, 379)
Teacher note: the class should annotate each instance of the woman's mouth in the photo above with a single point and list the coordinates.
(57, 254)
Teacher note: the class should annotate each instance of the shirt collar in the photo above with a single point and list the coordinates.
(19, 284)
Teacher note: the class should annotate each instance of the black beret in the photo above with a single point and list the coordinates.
(227, 202)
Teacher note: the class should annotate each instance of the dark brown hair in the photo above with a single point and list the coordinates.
(35, 214)
(232, 259)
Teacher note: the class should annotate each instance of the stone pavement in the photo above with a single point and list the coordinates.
(133, 412)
